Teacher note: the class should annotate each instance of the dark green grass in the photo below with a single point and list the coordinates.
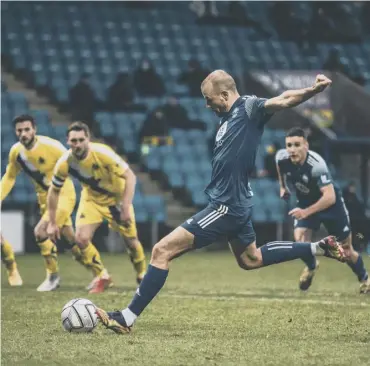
(209, 313)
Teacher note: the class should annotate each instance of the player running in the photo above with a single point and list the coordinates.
(229, 210)
(108, 190)
(8, 258)
(37, 155)
(319, 202)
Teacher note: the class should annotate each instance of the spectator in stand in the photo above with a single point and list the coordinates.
(82, 101)
(177, 116)
(156, 124)
(175, 113)
(170, 115)
(121, 93)
(334, 64)
(147, 82)
(357, 213)
(269, 164)
(322, 26)
(193, 77)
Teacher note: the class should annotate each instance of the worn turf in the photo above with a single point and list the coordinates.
(209, 313)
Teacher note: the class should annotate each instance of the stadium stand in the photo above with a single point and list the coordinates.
(103, 39)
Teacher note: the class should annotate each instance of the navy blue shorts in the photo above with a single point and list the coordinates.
(336, 221)
(214, 223)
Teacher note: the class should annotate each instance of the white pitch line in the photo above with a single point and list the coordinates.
(259, 298)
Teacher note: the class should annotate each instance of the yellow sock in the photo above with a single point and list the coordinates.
(50, 253)
(7, 256)
(138, 260)
(91, 259)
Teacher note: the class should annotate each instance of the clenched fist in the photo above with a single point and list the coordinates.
(321, 83)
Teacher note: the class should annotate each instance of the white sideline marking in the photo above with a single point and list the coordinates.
(259, 298)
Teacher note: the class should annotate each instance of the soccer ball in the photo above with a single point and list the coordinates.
(78, 316)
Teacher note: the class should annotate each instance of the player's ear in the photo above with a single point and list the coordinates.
(225, 94)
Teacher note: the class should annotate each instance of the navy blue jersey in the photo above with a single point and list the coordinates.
(306, 179)
(234, 153)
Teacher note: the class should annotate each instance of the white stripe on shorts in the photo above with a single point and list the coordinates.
(213, 216)
(205, 218)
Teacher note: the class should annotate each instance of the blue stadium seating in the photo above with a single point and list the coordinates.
(60, 48)
(103, 39)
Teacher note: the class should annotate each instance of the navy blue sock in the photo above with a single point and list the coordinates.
(358, 269)
(278, 252)
(151, 284)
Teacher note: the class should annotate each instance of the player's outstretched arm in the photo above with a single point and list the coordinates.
(292, 98)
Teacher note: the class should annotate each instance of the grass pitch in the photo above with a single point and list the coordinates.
(210, 312)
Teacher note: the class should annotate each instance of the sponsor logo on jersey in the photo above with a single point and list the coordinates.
(302, 188)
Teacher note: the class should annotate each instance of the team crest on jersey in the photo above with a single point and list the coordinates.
(235, 112)
(221, 132)
(302, 188)
(305, 178)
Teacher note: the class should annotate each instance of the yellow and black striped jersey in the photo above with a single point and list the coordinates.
(101, 173)
(38, 163)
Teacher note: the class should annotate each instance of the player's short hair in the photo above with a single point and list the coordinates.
(296, 131)
(24, 118)
(221, 80)
(79, 126)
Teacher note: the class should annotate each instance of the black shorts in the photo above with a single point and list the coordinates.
(214, 222)
(336, 222)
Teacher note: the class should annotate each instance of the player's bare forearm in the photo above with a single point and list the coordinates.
(322, 204)
(289, 99)
(7, 184)
(128, 193)
(52, 204)
(281, 180)
(292, 98)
